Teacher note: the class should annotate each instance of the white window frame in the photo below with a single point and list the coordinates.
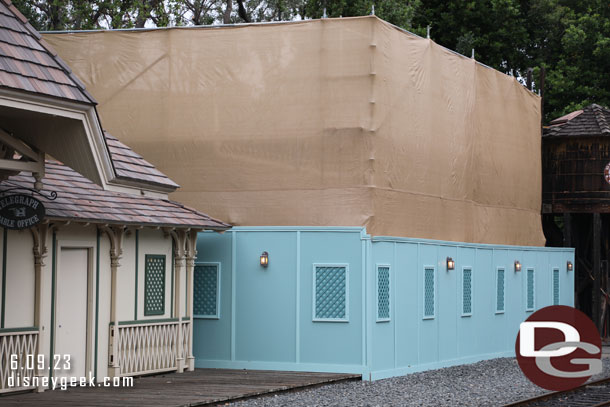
(377, 267)
(218, 285)
(313, 298)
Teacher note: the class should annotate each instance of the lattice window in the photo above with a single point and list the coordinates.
(206, 290)
(330, 292)
(154, 284)
(429, 306)
(383, 293)
(500, 291)
(530, 300)
(555, 286)
(466, 292)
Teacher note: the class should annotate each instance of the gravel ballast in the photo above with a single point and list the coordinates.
(488, 383)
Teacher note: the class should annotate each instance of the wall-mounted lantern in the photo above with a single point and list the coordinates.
(570, 266)
(264, 259)
(517, 266)
(450, 264)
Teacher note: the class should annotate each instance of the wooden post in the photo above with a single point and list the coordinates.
(596, 294)
(190, 267)
(115, 234)
(567, 230)
(542, 80)
(179, 237)
(39, 234)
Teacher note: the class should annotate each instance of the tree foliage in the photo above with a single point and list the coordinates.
(569, 38)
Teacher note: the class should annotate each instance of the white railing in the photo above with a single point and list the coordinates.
(145, 348)
(186, 338)
(17, 358)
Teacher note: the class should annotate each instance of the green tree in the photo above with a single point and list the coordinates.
(493, 28)
(397, 12)
(569, 38)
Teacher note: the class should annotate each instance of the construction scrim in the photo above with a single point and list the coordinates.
(333, 122)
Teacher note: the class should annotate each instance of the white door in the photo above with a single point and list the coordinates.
(71, 311)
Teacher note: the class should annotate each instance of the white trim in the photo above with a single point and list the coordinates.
(533, 289)
(313, 301)
(433, 268)
(389, 318)
(87, 114)
(73, 110)
(218, 274)
(90, 246)
(467, 314)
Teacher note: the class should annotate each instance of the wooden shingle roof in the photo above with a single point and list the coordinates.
(593, 120)
(79, 199)
(28, 63)
(130, 165)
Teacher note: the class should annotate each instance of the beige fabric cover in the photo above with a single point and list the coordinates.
(346, 122)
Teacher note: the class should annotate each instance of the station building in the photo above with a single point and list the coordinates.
(96, 261)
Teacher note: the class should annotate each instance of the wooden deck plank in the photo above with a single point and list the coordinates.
(202, 386)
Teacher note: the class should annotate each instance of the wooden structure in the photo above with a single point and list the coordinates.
(201, 387)
(103, 277)
(576, 202)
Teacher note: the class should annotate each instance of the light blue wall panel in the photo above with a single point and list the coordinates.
(331, 342)
(447, 310)
(497, 335)
(515, 301)
(265, 306)
(484, 301)
(407, 300)
(466, 327)
(428, 331)
(214, 335)
(383, 339)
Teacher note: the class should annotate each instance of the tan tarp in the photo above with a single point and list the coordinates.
(344, 122)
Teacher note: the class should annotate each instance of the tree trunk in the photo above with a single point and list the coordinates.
(226, 17)
(242, 11)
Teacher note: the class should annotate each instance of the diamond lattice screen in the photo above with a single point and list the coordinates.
(154, 285)
(530, 289)
(500, 291)
(429, 292)
(383, 293)
(331, 293)
(555, 287)
(467, 292)
(205, 290)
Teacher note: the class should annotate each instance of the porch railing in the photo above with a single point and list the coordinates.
(17, 358)
(150, 347)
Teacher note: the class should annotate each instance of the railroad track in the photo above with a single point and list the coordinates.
(592, 394)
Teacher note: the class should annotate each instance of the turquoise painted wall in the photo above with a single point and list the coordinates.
(266, 314)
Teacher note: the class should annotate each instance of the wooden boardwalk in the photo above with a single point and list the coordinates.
(200, 387)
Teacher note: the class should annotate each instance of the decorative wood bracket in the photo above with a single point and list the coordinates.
(115, 235)
(31, 160)
(39, 234)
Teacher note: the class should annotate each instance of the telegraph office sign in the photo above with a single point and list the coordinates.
(20, 212)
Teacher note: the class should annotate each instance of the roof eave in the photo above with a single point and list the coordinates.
(143, 184)
(218, 228)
